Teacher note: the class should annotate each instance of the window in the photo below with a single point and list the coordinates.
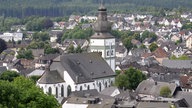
(56, 92)
(62, 91)
(108, 53)
(50, 90)
(105, 84)
(88, 87)
(68, 90)
(81, 88)
(99, 87)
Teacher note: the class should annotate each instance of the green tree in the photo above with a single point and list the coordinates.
(25, 54)
(130, 79)
(143, 46)
(127, 43)
(9, 75)
(165, 91)
(23, 93)
(153, 47)
(147, 34)
(78, 49)
(3, 45)
(71, 49)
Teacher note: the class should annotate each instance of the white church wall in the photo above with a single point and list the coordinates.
(97, 42)
(46, 87)
(73, 105)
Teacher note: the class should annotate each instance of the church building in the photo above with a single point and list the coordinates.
(84, 71)
(102, 41)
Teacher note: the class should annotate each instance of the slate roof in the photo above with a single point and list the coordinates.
(37, 52)
(51, 77)
(2, 69)
(150, 87)
(84, 66)
(36, 72)
(108, 91)
(186, 95)
(153, 105)
(178, 64)
(186, 81)
(160, 53)
(49, 57)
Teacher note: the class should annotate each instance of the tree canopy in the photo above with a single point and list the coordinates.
(9, 75)
(23, 93)
(165, 91)
(153, 47)
(130, 79)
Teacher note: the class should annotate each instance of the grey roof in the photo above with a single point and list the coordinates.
(186, 95)
(178, 64)
(49, 57)
(153, 105)
(108, 91)
(85, 93)
(84, 67)
(37, 52)
(2, 69)
(36, 72)
(150, 87)
(51, 77)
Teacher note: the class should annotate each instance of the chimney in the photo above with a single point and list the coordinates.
(155, 82)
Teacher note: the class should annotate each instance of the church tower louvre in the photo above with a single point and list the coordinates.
(102, 41)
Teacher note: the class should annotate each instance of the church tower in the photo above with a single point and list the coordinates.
(102, 41)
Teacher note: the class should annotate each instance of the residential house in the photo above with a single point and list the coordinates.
(175, 38)
(37, 72)
(147, 42)
(37, 53)
(111, 91)
(12, 36)
(153, 105)
(3, 69)
(54, 34)
(27, 63)
(186, 83)
(177, 64)
(189, 42)
(185, 95)
(45, 60)
(83, 43)
(179, 51)
(76, 72)
(89, 99)
(136, 43)
(160, 54)
(150, 89)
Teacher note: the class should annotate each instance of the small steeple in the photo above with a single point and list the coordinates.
(102, 25)
(102, 7)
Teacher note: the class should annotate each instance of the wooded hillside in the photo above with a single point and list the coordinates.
(53, 8)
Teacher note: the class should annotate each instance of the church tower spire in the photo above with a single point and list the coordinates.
(102, 41)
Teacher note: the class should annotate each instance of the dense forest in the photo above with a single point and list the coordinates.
(55, 8)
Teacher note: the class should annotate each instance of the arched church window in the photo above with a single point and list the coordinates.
(50, 90)
(62, 91)
(81, 88)
(56, 92)
(99, 87)
(108, 53)
(111, 52)
(68, 90)
(105, 84)
(88, 87)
